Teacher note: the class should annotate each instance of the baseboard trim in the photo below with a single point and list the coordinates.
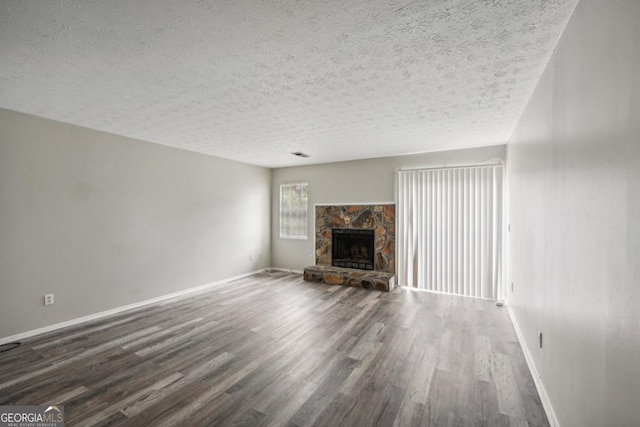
(120, 309)
(544, 397)
(287, 270)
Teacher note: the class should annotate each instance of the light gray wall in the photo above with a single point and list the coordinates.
(361, 181)
(574, 208)
(104, 221)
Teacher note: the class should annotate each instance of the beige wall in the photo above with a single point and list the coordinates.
(104, 221)
(356, 182)
(574, 208)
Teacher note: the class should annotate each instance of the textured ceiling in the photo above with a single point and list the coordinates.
(255, 80)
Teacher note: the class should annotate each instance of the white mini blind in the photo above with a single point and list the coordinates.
(450, 230)
(294, 210)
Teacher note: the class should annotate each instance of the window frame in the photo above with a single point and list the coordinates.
(286, 228)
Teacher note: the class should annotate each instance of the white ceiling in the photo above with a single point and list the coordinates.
(254, 80)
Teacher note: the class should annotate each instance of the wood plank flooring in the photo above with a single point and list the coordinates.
(273, 350)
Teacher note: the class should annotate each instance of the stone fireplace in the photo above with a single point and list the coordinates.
(355, 246)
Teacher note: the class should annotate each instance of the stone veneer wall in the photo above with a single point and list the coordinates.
(381, 218)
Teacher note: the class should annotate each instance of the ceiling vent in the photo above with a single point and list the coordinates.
(300, 154)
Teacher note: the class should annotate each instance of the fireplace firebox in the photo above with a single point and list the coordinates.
(353, 248)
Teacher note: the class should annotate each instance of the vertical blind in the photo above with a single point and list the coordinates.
(450, 230)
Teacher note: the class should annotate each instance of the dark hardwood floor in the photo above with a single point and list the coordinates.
(274, 350)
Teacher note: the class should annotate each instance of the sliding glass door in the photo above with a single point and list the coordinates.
(450, 230)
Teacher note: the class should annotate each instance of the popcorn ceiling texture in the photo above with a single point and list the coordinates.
(255, 80)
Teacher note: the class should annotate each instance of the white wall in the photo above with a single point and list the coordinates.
(574, 208)
(104, 221)
(360, 181)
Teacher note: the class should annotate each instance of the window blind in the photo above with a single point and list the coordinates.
(450, 230)
(293, 210)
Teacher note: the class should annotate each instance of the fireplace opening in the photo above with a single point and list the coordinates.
(353, 248)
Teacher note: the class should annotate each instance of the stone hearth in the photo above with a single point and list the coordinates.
(367, 279)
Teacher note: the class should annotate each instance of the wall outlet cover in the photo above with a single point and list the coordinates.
(48, 299)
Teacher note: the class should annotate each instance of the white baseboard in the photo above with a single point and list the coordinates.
(286, 270)
(72, 322)
(544, 397)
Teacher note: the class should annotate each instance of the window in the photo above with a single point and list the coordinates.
(293, 210)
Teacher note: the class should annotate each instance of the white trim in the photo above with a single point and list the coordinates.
(100, 315)
(496, 161)
(286, 270)
(411, 288)
(544, 397)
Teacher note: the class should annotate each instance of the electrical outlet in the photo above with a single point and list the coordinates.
(540, 338)
(511, 286)
(48, 299)
(250, 257)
